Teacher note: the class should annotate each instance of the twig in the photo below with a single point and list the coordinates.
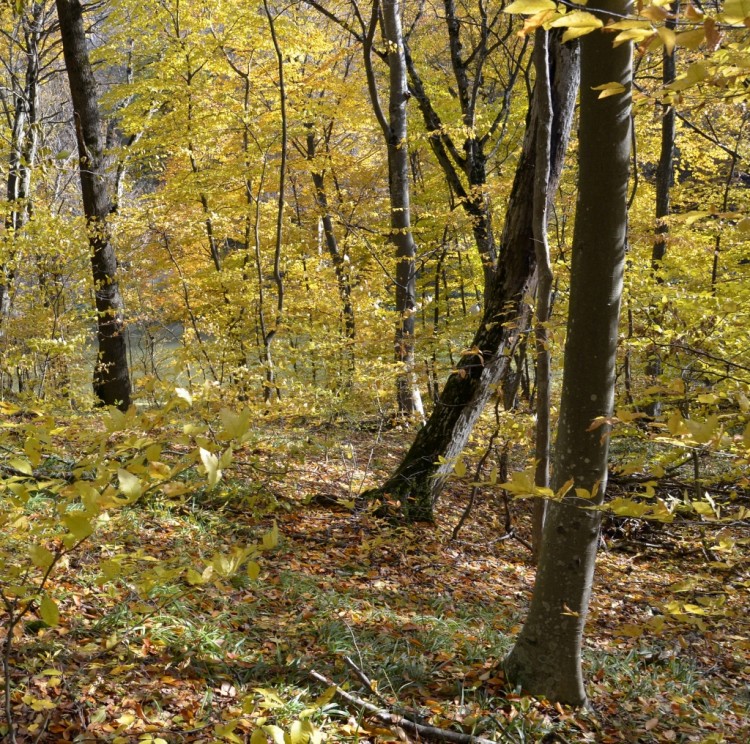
(417, 729)
(364, 679)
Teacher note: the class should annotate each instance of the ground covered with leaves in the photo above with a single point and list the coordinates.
(167, 634)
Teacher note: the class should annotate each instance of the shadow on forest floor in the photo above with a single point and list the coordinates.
(429, 619)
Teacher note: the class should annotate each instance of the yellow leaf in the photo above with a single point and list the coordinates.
(460, 468)
(253, 570)
(271, 538)
(49, 611)
(22, 465)
(578, 23)
(78, 524)
(735, 11)
(184, 394)
(655, 13)
(211, 464)
(669, 38)
(130, 486)
(691, 39)
(258, 737)
(529, 7)
(610, 89)
(40, 556)
(275, 733)
(235, 425)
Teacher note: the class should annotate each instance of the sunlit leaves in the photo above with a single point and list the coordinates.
(577, 23)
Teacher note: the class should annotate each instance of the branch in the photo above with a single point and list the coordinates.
(417, 729)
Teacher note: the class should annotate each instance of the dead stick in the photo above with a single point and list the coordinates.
(426, 732)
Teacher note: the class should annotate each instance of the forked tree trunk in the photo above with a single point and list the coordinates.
(422, 473)
(546, 659)
(111, 376)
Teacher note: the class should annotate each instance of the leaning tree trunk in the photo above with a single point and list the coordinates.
(546, 659)
(422, 473)
(111, 376)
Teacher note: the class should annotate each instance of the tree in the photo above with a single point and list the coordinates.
(394, 128)
(420, 476)
(111, 375)
(546, 659)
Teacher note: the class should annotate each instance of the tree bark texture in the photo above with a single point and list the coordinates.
(23, 148)
(546, 659)
(664, 179)
(544, 283)
(422, 473)
(338, 258)
(407, 391)
(111, 375)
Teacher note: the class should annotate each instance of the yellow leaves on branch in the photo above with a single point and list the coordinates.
(645, 29)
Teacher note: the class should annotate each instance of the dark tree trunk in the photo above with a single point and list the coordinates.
(546, 659)
(664, 179)
(422, 473)
(111, 376)
(337, 257)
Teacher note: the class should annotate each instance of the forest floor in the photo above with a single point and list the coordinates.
(427, 618)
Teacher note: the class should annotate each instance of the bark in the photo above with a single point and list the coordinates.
(111, 375)
(544, 283)
(407, 391)
(395, 133)
(23, 147)
(664, 180)
(338, 258)
(546, 659)
(422, 473)
(270, 334)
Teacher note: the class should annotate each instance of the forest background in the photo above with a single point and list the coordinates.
(313, 227)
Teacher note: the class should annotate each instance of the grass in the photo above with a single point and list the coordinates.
(429, 620)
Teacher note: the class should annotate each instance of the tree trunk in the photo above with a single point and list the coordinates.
(337, 257)
(422, 473)
(546, 659)
(544, 284)
(664, 178)
(23, 148)
(407, 392)
(111, 376)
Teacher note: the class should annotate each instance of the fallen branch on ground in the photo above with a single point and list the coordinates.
(385, 716)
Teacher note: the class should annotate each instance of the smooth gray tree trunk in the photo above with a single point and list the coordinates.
(111, 375)
(546, 659)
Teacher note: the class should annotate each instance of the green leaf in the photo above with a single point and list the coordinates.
(49, 611)
(258, 737)
(130, 485)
